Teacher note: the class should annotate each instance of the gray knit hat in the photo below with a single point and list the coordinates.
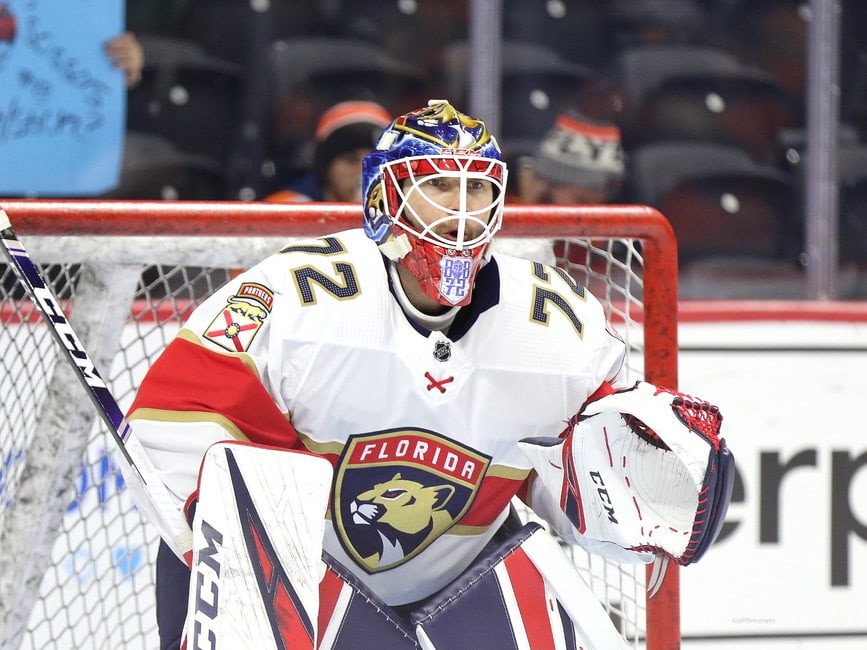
(581, 152)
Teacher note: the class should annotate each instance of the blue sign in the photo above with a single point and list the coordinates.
(62, 102)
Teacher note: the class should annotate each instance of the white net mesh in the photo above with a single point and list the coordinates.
(76, 556)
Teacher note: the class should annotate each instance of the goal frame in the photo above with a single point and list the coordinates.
(77, 218)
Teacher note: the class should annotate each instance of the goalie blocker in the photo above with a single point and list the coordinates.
(642, 469)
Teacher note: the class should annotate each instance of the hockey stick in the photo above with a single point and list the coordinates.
(151, 493)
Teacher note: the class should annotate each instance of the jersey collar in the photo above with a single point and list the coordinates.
(485, 296)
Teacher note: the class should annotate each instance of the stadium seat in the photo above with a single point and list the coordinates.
(154, 169)
(770, 34)
(340, 67)
(230, 29)
(241, 31)
(537, 85)
(852, 225)
(852, 177)
(634, 22)
(310, 74)
(792, 145)
(720, 202)
(414, 32)
(691, 92)
(187, 96)
(555, 24)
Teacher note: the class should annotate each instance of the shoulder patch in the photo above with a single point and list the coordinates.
(236, 325)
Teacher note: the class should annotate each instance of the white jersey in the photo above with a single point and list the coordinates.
(421, 426)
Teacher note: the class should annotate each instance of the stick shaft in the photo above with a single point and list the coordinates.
(153, 496)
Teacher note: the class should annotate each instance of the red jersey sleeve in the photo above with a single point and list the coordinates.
(190, 378)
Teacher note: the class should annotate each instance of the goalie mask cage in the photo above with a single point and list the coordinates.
(76, 557)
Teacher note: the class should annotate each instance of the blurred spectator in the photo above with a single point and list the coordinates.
(126, 54)
(578, 161)
(345, 133)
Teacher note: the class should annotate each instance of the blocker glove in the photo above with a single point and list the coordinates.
(644, 468)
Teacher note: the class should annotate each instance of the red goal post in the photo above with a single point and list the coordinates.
(625, 254)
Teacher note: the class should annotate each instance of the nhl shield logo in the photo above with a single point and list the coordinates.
(397, 491)
(442, 351)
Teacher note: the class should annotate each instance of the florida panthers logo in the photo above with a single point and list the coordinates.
(397, 491)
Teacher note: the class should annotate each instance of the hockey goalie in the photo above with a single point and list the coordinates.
(350, 421)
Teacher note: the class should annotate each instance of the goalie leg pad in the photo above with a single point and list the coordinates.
(257, 549)
(349, 612)
(507, 600)
(172, 585)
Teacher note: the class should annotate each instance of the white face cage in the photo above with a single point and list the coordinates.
(460, 212)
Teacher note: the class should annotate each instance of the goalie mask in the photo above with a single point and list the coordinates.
(433, 193)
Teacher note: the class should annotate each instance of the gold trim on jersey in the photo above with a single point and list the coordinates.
(322, 448)
(164, 415)
(191, 337)
(507, 472)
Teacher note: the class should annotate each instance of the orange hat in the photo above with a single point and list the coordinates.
(351, 112)
(344, 127)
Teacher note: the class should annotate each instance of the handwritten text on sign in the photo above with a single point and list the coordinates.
(62, 104)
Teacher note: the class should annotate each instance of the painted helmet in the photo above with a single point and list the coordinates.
(433, 191)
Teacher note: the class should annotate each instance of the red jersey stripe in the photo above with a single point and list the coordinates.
(222, 385)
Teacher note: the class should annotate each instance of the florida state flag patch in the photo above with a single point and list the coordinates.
(397, 491)
(236, 325)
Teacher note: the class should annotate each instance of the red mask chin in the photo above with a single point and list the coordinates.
(443, 274)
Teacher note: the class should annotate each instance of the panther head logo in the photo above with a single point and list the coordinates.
(397, 491)
(405, 514)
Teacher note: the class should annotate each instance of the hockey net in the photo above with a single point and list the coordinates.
(76, 558)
